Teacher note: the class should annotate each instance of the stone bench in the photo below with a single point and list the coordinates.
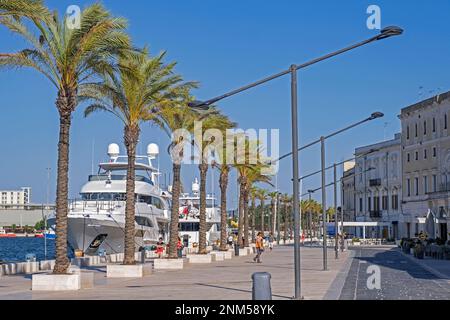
(243, 252)
(218, 255)
(128, 271)
(56, 282)
(159, 264)
(199, 258)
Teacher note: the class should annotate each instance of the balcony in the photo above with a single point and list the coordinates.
(375, 213)
(443, 187)
(374, 182)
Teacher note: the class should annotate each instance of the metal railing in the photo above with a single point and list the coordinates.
(99, 206)
(375, 213)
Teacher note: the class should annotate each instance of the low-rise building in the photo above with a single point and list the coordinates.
(426, 167)
(15, 197)
(378, 187)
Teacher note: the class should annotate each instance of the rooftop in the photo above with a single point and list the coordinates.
(427, 102)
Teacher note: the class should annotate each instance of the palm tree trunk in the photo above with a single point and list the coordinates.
(202, 225)
(246, 218)
(290, 218)
(262, 215)
(274, 216)
(176, 187)
(241, 215)
(253, 220)
(286, 218)
(66, 104)
(131, 136)
(223, 182)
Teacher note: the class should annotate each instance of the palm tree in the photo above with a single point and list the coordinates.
(285, 200)
(132, 94)
(224, 168)
(262, 196)
(253, 196)
(68, 58)
(216, 121)
(254, 176)
(172, 117)
(273, 199)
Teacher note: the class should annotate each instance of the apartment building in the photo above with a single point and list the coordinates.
(426, 167)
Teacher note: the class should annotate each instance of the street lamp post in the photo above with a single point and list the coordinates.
(385, 33)
(278, 218)
(336, 220)
(324, 204)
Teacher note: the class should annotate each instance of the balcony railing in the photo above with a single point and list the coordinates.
(443, 187)
(375, 213)
(375, 182)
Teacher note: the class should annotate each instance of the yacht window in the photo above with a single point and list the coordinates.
(189, 226)
(143, 221)
(103, 196)
(150, 200)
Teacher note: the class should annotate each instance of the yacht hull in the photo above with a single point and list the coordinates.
(93, 235)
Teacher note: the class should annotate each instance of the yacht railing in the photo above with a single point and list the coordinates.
(95, 206)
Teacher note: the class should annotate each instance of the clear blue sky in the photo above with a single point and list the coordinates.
(225, 44)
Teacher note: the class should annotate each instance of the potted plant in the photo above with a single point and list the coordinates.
(356, 241)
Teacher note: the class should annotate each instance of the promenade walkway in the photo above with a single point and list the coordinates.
(229, 279)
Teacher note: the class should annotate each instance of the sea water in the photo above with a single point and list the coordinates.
(16, 249)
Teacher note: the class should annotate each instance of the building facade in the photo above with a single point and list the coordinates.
(348, 192)
(426, 167)
(15, 197)
(378, 187)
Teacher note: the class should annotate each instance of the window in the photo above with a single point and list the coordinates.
(434, 152)
(424, 153)
(376, 203)
(369, 203)
(189, 226)
(143, 221)
(416, 186)
(425, 184)
(408, 186)
(395, 202)
(408, 157)
(407, 132)
(385, 202)
(425, 127)
(417, 155)
(360, 204)
(415, 131)
(434, 183)
(434, 124)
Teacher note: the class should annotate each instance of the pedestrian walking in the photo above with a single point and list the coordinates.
(270, 240)
(160, 247)
(259, 247)
(179, 248)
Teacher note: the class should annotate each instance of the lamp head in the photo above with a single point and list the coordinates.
(389, 32)
(199, 105)
(376, 115)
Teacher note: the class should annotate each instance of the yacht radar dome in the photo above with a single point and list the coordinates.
(152, 150)
(113, 151)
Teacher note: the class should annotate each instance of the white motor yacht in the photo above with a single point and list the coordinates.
(96, 222)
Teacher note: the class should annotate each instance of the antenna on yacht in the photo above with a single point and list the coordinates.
(92, 156)
(152, 153)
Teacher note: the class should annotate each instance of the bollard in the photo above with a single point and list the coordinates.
(261, 286)
(236, 249)
(143, 255)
